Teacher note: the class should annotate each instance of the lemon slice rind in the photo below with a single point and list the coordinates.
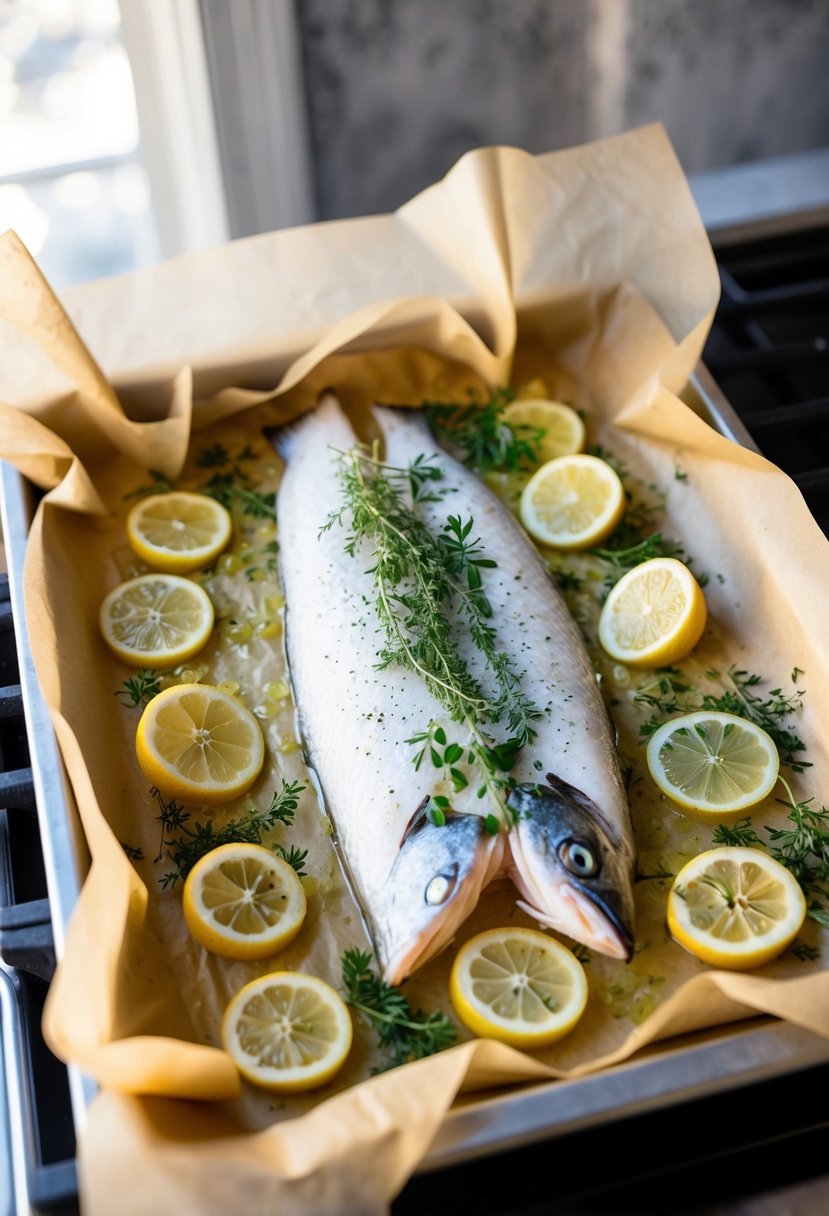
(572, 502)
(713, 764)
(563, 427)
(287, 1031)
(735, 908)
(156, 620)
(518, 986)
(242, 901)
(654, 616)
(179, 531)
(199, 744)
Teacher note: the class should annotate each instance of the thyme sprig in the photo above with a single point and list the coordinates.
(802, 847)
(426, 583)
(740, 696)
(184, 841)
(140, 688)
(406, 1033)
(481, 435)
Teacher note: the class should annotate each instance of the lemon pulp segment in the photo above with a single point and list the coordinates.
(654, 615)
(735, 907)
(287, 1031)
(199, 744)
(518, 986)
(157, 620)
(178, 531)
(243, 901)
(713, 763)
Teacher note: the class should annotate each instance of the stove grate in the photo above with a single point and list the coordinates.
(769, 352)
(37, 1120)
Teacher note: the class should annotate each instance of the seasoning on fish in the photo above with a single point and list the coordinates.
(422, 841)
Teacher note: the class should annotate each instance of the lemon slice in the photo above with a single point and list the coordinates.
(156, 620)
(199, 744)
(287, 1031)
(654, 615)
(562, 426)
(518, 986)
(713, 764)
(735, 907)
(243, 902)
(572, 502)
(178, 531)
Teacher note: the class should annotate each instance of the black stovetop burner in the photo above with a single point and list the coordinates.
(769, 351)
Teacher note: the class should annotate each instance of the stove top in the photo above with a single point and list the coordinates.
(769, 351)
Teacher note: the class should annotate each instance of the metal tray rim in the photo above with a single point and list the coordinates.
(675, 1071)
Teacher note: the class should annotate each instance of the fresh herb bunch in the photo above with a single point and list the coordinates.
(739, 697)
(233, 485)
(425, 583)
(803, 848)
(158, 485)
(481, 435)
(140, 688)
(184, 844)
(624, 557)
(406, 1033)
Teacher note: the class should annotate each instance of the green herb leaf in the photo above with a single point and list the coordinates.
(405, 1033)
(185, 842)
(482, 437)
(140, 688)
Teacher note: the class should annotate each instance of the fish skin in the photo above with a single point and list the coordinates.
(356, 720)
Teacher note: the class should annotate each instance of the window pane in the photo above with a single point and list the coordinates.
(66, 99)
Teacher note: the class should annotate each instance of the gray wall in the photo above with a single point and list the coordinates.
(398, 89)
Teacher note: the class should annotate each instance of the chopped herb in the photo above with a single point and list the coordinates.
(184, 842)
(568, 581)
(624, 559)
(680, 474)
(260, 506)
(740, 834)
(140, 688)
(482, 437)
(294, 856)
(803, 848)
(214, 457)
(739, 697)
(804, 952)
(405, 1033)
(159, 485)
(134, 854)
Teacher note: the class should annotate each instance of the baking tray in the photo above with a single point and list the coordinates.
(676, 1071)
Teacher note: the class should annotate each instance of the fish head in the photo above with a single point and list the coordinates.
(434, 884)
(573, 875)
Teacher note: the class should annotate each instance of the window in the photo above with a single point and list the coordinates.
(107, 151)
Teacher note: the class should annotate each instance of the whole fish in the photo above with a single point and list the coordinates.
(570, 852)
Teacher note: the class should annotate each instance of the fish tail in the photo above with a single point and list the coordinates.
(327, 413)
(396, 421)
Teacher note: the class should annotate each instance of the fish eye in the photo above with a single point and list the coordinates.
(578, 858)
(439, 889)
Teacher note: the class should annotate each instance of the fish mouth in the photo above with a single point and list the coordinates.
(588, 918)
(414, 947)
(585, 917)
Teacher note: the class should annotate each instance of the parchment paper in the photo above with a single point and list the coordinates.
(587, 268)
